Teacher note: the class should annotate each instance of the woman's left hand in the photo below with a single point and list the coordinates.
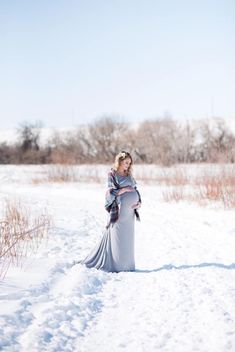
(136, 206)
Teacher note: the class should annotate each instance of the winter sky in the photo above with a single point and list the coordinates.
(67, 62)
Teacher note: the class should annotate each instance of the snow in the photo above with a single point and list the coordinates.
(180, 298)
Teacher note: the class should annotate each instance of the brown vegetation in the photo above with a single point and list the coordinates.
(67, 173)
(161, 141)
(20, 233)
(219, 186)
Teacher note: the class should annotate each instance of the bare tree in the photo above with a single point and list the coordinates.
(29, 135)
(161, 140)
(157, 141)
(186, 144)
(106, 137)
(218, 142)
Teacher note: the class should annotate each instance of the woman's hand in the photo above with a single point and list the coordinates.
(136, 206)
(125, 189)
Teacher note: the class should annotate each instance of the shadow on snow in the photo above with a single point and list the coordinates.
(181, 267)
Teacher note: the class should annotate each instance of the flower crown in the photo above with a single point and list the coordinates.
(123, 154)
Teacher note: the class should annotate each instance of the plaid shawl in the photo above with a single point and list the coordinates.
(113, 208)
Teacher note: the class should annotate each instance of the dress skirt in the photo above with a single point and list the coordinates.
(115, 251)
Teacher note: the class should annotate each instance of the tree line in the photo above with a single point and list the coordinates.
(162, 141)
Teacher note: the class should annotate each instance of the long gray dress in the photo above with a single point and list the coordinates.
(115, 251)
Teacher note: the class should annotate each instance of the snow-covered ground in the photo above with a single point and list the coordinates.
(181, 298)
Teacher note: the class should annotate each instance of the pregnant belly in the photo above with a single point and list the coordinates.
(129, 198)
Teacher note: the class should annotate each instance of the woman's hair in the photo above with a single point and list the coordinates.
(120, 157)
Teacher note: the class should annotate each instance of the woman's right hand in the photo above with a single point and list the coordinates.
(125, 189)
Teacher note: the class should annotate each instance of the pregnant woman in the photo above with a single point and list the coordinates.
(115, 250)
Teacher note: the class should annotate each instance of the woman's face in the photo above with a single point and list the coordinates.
(124, 164)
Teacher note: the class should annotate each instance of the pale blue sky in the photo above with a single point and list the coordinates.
(66, 62)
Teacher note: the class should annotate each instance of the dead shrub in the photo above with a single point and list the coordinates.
(174, 194)
(219, 186)
(56, 173)
(169, 176)
(60, 173)
(68, 173)
(228, 197)
(176, 178)
(211, 187)
(20, 233)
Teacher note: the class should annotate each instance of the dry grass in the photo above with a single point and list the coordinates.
(177, 177)
(57, 173)
(228, 197)
(208, 187)
(168, 176)
(20, 233)
(215, 184)
(174, 194)
(220, 187)
(62, 173)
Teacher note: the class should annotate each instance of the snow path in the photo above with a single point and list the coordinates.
(180, 298)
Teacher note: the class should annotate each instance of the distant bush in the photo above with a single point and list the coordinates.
(162, 141)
